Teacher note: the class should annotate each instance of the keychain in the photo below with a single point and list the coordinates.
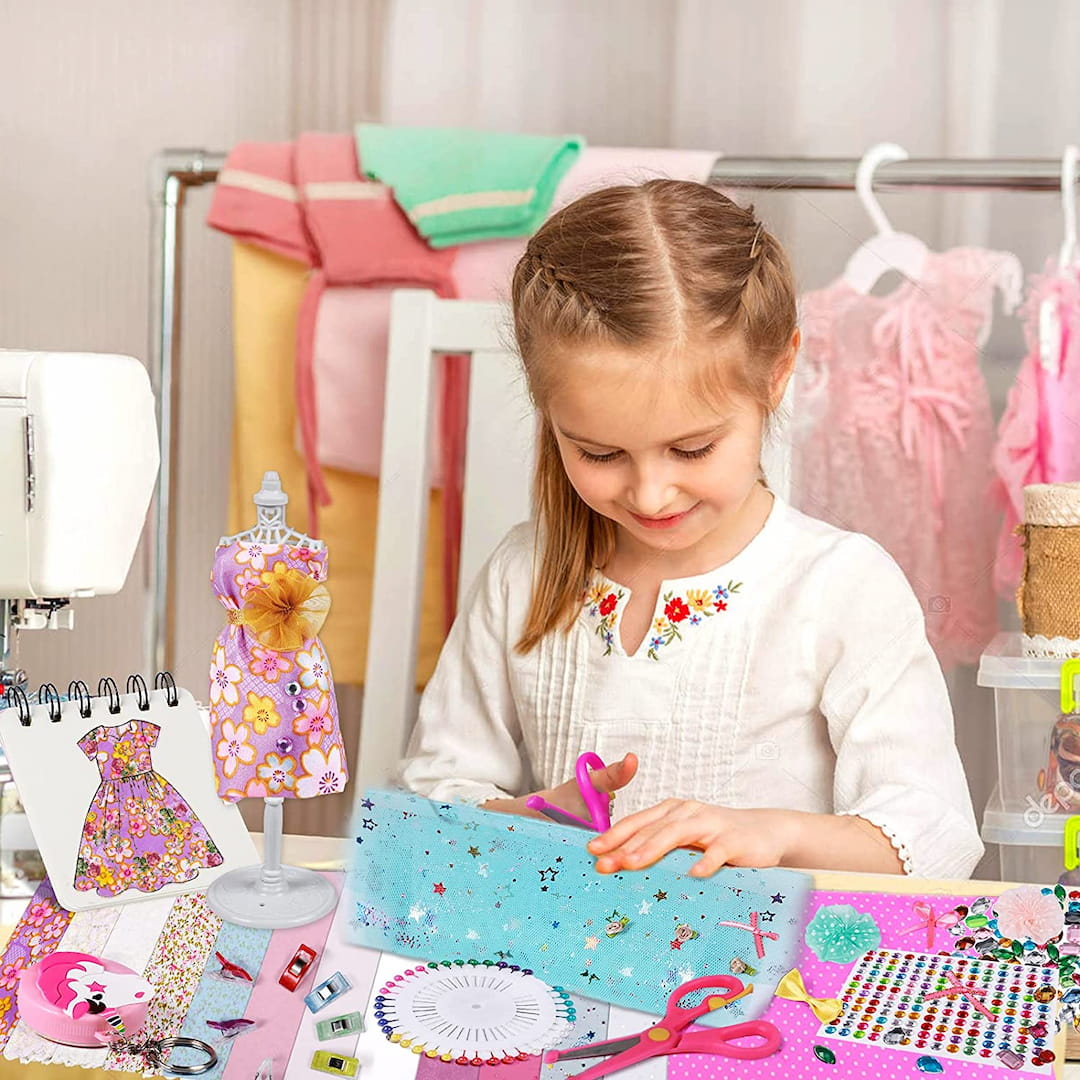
(153, 1053)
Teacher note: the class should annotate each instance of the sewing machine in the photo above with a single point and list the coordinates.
(78, 463)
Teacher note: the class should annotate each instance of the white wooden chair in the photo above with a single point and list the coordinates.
(499, 454)
(499, 457)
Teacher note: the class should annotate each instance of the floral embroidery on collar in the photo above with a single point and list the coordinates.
(602, 600)
(690, 608)
(698, 605)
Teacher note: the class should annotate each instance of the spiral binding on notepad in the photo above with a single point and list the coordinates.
(48, 697)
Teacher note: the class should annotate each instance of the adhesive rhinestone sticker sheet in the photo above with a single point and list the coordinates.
(462, 883)
(951, 1007)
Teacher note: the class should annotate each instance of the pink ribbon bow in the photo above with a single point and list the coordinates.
(930, 922)
(759, 945)
(969, 992)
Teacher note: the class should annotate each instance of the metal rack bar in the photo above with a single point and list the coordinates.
(174, 171)
(838, 174)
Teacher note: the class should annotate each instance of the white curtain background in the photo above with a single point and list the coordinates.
(814, 78)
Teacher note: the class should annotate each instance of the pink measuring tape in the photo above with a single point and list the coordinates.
(82, 1000)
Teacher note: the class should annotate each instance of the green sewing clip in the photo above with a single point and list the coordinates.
(1070, 669)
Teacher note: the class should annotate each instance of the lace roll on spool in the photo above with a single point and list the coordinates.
(1048, 598)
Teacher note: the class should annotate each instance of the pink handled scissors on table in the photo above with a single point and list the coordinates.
(669, 1035)
(597, 802)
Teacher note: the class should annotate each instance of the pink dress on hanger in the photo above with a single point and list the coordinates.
(1039, 437)
(893, 432)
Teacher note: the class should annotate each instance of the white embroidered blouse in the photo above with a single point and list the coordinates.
(797, 675)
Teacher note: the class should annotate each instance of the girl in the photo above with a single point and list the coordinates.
(770, 672)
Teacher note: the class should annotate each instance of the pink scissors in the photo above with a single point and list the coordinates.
(597, 802)
(669, 1036)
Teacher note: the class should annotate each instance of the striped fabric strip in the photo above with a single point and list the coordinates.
(335, 190)
(279, 1011)
(359, 967)
(228, 999)
(474, 200)
(261, 185)
(36, 935)
(175, 967)
(88, 932)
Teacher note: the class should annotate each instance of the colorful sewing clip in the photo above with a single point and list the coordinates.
(230, 971)
(598, 803)
(669, 1036)
(229, 1029)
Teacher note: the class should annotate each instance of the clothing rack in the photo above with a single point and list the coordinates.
(174, 171)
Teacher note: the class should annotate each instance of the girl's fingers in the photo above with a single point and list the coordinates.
(622, 830)
(666, 835)
(712, 860)
(653, 843)
(612, 777)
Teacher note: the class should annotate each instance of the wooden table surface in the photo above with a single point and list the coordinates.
(326, 853)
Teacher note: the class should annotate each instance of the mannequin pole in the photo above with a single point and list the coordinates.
(272, 880)
(271, 895)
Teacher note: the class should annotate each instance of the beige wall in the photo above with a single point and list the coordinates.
(90, 93)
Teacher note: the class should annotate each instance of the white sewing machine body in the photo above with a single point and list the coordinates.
(78, 463)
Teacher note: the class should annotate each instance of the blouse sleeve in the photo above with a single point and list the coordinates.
(890, 720)
(466, 746)
(88, 743)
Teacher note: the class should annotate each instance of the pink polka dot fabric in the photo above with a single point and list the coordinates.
(795, 1060)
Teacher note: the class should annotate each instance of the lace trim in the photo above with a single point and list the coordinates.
(46, 1056)
(1058, 648)
(901, 848)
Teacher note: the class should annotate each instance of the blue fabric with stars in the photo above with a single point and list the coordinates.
(448, 882)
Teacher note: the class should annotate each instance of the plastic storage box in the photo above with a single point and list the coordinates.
(1031, 844)
(1027, 703)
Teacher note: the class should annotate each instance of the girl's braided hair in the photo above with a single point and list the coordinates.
(641, 267)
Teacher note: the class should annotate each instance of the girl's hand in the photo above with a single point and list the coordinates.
(568, 796)
(727, 837)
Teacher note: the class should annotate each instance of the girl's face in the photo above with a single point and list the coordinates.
(672, 470)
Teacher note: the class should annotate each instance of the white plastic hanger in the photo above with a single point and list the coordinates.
(1069, 161)
(888, 250)
(1049, 314)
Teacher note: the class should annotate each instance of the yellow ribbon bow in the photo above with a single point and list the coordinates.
(792, 987)
(288, 610)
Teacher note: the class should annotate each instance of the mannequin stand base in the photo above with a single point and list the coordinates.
(242, 897)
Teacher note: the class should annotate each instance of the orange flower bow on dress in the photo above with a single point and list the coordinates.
(288, 610)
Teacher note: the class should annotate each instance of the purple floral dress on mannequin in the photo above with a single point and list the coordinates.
(274, 718)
